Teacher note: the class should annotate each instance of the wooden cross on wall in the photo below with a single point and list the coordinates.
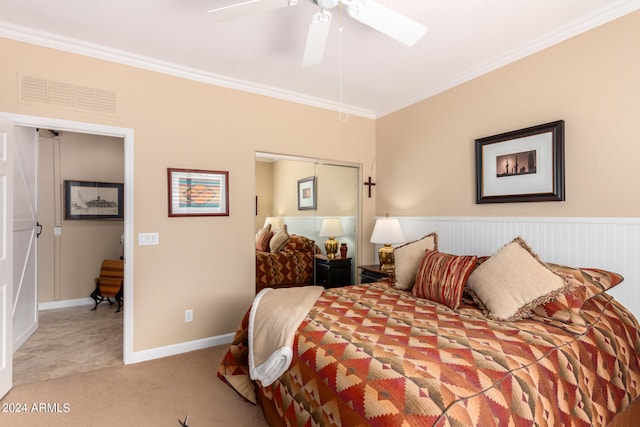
(369, 184)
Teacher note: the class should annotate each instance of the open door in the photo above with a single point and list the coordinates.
(25, 282)
(6, 258)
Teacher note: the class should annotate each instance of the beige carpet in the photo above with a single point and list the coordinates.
(68, 341)
(154, 393)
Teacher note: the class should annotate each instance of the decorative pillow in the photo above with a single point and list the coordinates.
(512, 282)
(408, 258)
(585, 283)
(279, 240)
(565, 308)
(600, 280)
(299, 243)
(266, 229)
(262, 244)
(441, 277)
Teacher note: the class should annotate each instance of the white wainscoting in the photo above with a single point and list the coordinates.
(609, 243)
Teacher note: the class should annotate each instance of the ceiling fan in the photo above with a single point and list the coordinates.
(370, 13)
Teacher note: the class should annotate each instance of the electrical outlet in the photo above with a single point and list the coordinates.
(188, 315)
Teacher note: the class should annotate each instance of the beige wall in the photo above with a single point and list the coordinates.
(276, 187)
(591, 81)
(336, 191)
(201, 263)
(68, 264)
(264, 192)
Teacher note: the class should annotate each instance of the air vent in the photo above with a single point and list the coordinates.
(66, 95)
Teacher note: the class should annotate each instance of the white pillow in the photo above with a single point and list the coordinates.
(408, 257)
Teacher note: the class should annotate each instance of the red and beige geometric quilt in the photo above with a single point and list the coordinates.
(374, 355)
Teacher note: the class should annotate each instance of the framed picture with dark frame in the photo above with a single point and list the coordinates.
(194, 192)
(93, 200)
(525, 165)
(307, 193)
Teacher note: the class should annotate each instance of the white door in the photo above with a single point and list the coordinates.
(25, 174)
(6, 261)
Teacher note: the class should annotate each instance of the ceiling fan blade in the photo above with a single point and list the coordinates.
(385, 20)
(249, 7)
(317, 38)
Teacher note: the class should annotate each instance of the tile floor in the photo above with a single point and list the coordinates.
(70, 340)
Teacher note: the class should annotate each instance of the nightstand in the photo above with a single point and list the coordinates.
(331, 273)
(372, 273)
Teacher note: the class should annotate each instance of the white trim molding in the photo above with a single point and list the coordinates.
(185, 347)
(52, 305)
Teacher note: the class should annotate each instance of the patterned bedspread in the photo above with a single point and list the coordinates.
(373, 355)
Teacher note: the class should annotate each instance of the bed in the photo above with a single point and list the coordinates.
(375, 355)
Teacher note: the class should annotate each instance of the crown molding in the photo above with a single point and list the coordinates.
(29, 35)
(614, 11)
(54, 41)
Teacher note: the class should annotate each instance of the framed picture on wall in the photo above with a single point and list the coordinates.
(307, 193)
(195, 192)
(525, 165)
(93, 200)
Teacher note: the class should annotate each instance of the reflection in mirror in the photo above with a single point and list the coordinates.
(336, 193)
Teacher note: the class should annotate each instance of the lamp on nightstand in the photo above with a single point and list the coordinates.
(331, 228)
(387, 231)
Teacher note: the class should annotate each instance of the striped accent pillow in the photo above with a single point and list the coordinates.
(262, 244)
(442, 277)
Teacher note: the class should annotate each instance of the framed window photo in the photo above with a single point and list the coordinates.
(195, 192)
(93, 200)
(307, 193)
(525, 165)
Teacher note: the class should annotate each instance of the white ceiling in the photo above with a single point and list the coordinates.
(365, 73)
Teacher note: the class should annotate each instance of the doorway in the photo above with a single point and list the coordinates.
(127, 136)
(70, 249)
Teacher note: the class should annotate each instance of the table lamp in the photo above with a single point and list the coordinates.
(387, 231)
(331, 228)
(275, 221)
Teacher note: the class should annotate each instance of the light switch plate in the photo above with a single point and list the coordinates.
(148, 239)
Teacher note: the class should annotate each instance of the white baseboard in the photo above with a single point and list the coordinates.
(51, 305)
(154, 353)
(185, 347)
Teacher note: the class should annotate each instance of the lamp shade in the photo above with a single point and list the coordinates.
(387, 231)
(275, 221)
(331, 227)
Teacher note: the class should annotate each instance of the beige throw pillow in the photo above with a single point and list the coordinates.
(408, 258)
(279, 240)
(513, 281)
